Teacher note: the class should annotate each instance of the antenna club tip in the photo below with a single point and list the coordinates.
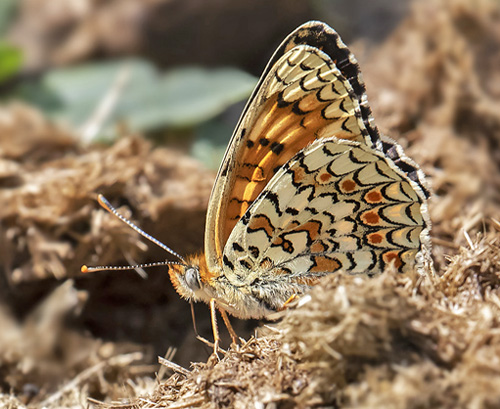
(84, 269)
(103, 202)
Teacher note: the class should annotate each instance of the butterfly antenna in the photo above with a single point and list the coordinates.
(107, 206)
(86, 269)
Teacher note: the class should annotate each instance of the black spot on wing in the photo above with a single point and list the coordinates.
(245, 264)
(333, 196)
(311, 210)
(227, 263)
(353, 158)
(281, 102)
(350, 257)
(254, 251)
(225, 169)
(237, 247)
(344, 127)
(409, 214)
(277, 147)
(273, 198)
(373, 264)
(245, 218)
(239, 201)
(341, 106)
(296, 109)
(330, 216)
(328, 118)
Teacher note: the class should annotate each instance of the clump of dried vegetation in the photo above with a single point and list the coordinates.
(391, 341)
(388, 342)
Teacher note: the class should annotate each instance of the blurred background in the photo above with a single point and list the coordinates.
(137, 100)
(159, 66)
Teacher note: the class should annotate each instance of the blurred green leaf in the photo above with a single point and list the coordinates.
(7, 11)
(134, 92)
(10, 61)
(211, 139)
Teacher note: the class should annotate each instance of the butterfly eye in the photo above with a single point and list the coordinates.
(192, 278)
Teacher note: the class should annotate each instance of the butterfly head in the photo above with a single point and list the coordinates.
(190, 279)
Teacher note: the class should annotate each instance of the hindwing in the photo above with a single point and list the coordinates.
(335, 205)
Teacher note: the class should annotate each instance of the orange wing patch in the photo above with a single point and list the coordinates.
(312, 227)
(318, 247)
(261, 222)
(375, 238)
(374, 196)
(324, 264)
(348, 186)
(285, 244)
(371, 218)
(325, 177)
(392, 257)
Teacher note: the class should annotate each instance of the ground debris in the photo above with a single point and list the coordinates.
(255, 373)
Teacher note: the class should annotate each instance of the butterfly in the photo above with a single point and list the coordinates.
(307, 187)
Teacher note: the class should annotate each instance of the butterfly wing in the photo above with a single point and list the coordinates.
(311, 89)
(335, 205)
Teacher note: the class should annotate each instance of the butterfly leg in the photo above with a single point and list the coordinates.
(215, 329)
(292, 298)
(229, 327)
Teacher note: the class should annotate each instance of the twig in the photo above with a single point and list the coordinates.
(173, 366)
(469, 241)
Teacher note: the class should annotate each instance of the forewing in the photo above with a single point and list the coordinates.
(305, 94)
(335, 205)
